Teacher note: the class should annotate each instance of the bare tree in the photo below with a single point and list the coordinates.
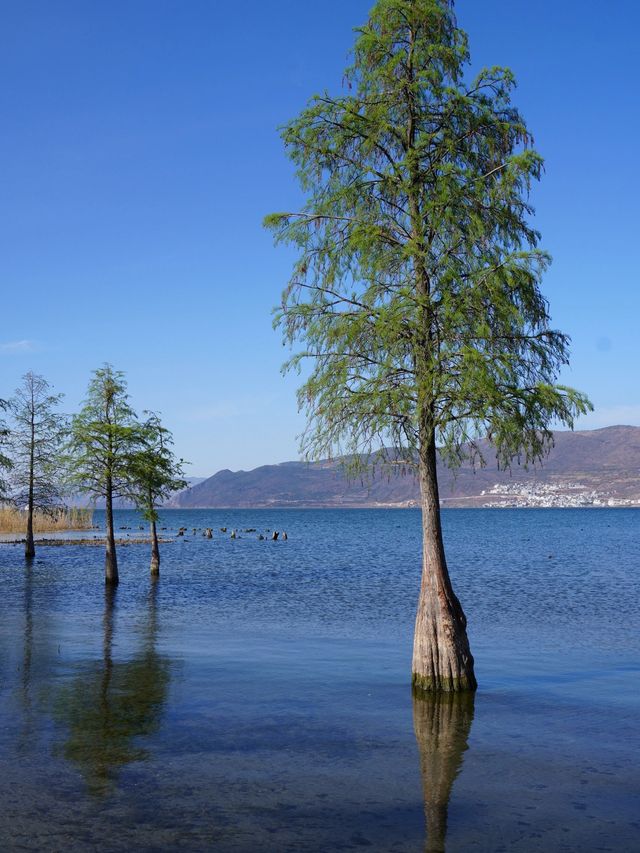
(5, 461)
(36, 439)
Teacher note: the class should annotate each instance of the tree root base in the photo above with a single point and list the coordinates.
(440, 684)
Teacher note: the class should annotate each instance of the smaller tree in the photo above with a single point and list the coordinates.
(105, 436)
(5, 461)
(155, 475)
(36, 441)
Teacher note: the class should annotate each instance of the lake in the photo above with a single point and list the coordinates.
(257, 697)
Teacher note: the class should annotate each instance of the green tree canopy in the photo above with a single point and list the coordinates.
(155, 471)
(155, 474)
(416, 292)
(104, 435)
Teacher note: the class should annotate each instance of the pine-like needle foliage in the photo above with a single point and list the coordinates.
(155, 471)
(416, 293)
(104, 436)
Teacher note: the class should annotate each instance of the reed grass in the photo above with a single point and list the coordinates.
(14, 520)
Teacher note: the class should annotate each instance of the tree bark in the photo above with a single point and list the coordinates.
(155, 551)
(111, 560)
(29, 546)
(442, 660)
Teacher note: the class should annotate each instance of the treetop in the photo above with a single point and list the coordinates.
(416, 293)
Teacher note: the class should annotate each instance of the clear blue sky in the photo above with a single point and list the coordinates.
(139, 153)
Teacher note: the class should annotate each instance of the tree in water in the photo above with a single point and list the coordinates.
(36, 440)
(5, 462)
(105, 435)
(416, 293)
(155, 475)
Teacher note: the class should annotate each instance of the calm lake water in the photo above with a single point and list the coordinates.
(257, 697)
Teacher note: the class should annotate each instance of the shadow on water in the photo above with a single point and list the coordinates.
(442, 724)
(111, 704)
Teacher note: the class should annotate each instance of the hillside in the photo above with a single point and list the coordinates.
(585, 468)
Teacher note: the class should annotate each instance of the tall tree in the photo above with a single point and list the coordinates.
(155, 475)
(105, 435)
(416, 293)
(36, 440)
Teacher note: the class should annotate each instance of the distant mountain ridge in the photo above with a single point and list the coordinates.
(585, 468)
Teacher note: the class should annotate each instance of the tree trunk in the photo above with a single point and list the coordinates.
(441, 722)
(155, 551)
(442, 660)
(29, 546)
(111, 561)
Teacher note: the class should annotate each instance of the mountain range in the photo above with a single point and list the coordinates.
(585, 468)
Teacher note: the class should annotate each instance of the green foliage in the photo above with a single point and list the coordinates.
(105, 434)
(416, 292)
(155, 472)
(37, 437)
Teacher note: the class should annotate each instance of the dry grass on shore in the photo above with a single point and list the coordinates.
(13, 520)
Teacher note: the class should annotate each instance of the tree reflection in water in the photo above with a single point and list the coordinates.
(442, 723)
(111, 704)
(27, 731)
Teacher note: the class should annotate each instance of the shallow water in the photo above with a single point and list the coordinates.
(257, 697)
